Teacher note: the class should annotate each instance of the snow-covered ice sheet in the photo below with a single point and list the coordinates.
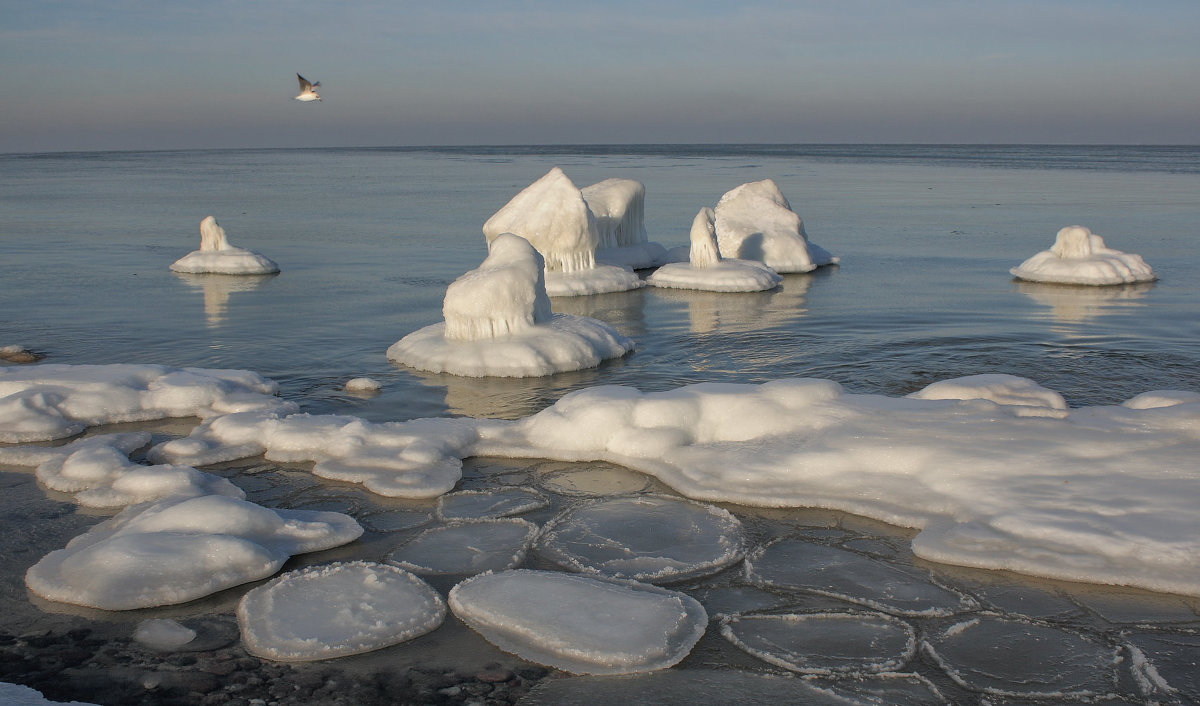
(580, 624)
(333, 610)
(217, 256)
(180, 550)
(1079, 256)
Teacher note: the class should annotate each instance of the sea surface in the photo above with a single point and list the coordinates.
(368, 239)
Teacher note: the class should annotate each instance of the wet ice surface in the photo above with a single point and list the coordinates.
(479, 504)
(824, 643)
(467, 547)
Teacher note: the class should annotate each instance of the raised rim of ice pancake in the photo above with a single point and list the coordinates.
(333, 610)
(581, 624)
(601, 279)
(728, 275)
(563, 344)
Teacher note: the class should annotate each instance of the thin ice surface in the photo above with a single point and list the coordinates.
(580, 624)
(825, 643)
(467, 547)
(497, 502)
(653, 538)
(177, 551)
(334, 610)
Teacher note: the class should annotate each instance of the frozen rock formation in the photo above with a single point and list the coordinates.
(1079, 256)
(755, 222)
(708, 271)
(619, 208)
(498, 323)
(294, 617)
(217, 256)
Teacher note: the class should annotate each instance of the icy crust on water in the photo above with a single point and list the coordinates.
(364, 606)
(217, 256)
(1079, 256)
(707, 270)
(18, 695)
(824, 643)
(467, 547)
(54, 401)
(755, 222)
(652, 538)
(177, 551)
(481, 504)
(98, 471)
(580, 624)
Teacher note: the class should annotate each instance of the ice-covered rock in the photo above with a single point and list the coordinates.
(755, 222)
(1079, 256)
(163, 634)
(580, 624)
(18, 354)
(1024, 659)
(180, 550)
(497, 502)
(498, 323)
(333, 610)
(619, 207)
(217, 256)
(363, 385)
(825, 643)
(796, 564)
(467, 547)
(97, 469)
(708, 271)
(54, 401)
(654, 538)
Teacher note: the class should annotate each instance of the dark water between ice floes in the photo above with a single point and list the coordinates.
(368, 240)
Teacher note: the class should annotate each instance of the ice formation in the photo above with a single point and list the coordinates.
(580, 624)
(467, 547)
(217, 256)
(553, 216)
(180, 550)
(20, 695)
(1079, 256)
(480, 504)
(708, 271)
(363, 606)
(54, 401)
(163, 634)
(498, 323)
(824, 643)
(363, 385)
(18, 354)
(654, 538)
(755, 222)
(619, 207)
(98, 471)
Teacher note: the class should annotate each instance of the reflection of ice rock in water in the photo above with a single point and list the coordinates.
(755, 222)
(553, 216)
(296, 617)
(824, 643)
(217, 256)
(580, 624)
(178, 551)
(1079, 256)
(499, 323)
(506, 294)
(619, 207)
(708, 271)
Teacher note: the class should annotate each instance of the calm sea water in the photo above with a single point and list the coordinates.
(368, 239)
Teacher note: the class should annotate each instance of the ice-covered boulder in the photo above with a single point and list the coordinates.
(755, 222)
(580, 624)
(180, 550)
(1079, 256)
(217, 256)
(619, 208)
(706, 270)
(498, 323)
(328, 611)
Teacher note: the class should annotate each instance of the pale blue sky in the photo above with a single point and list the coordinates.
(133, 74)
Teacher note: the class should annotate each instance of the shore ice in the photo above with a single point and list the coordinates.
(1079, 256)
(217, 256)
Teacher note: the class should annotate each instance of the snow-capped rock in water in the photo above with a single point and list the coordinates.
(19, 354)
(363, 385)
(619, 207)
(580, 624)
(180, 550)
(217, 256)
(468, 547)
(1079, 256)
(333, 610)
(482, 504)
(97, 469)
(654, 538)
(553, 216)
(708, 271)
(54, 401)
(498, 323)
(824, 643)
(1024, 659)
(755, 222)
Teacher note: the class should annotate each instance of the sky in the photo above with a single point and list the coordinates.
(144, 74)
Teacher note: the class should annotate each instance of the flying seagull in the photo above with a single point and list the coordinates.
(306, 90)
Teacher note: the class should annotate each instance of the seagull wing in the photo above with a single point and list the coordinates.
(304, 84)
